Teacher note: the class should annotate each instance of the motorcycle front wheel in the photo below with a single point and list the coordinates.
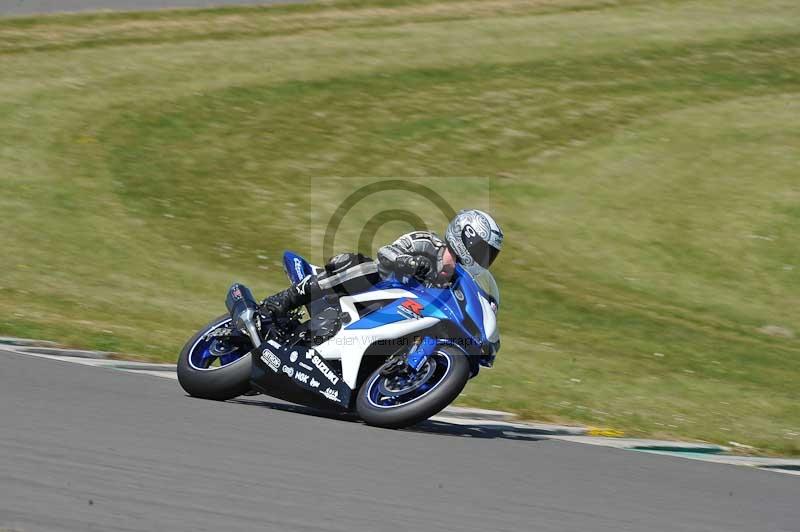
(403, 399)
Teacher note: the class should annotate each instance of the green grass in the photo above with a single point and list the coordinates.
(642, 156)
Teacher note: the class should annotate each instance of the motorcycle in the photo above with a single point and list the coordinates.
(396, 354)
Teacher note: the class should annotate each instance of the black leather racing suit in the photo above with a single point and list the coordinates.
(417, 254)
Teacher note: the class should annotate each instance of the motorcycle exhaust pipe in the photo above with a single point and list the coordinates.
(243, 309)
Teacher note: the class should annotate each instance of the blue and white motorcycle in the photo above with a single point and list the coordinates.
(396, 354)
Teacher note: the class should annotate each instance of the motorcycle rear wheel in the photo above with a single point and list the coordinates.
(199, 378)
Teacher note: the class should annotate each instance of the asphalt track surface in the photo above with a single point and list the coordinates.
(94, 449)
(30, 7)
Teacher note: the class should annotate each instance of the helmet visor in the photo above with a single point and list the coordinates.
(481, 251)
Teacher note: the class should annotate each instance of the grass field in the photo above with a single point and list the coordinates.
(643, 157)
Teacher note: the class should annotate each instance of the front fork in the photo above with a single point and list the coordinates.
(421, 349)
(417, 354)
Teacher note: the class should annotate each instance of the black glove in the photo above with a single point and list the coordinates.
(423, 269)
(405, 265)
(275, 306)
(416, 267)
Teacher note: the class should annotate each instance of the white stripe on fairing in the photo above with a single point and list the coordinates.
(350, 273)
(348, 302)
(349, 345)
(389, 293)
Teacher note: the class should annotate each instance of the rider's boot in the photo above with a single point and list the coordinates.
(297, 295)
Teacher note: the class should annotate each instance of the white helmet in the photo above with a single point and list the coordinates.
(475, 238)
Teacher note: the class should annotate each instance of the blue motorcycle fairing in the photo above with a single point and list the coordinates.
(395, 312)
(464, 312)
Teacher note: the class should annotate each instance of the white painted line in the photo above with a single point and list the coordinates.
(98, 362)
(162, 374)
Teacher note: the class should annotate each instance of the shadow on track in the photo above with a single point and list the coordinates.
(464, 429)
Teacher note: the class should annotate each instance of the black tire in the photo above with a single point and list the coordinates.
(220, 384)
(421, 408)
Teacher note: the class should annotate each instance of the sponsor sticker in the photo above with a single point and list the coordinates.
(331, 394)
(305, 366)
(288, 370)
(298, 268)
(328, 372)
(301, 286)
(271, 360)
(293, 356)
(302, 377)
(314, 383)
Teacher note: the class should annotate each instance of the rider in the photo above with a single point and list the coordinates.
(473, 239)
